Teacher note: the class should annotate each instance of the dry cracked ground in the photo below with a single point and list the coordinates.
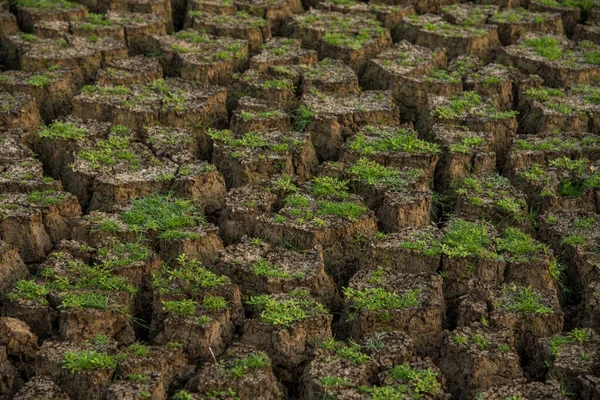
(299, 199)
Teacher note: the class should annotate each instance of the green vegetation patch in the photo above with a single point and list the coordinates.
(296, 306)
(88, 360)
(169, 216)
(188, 272)
(62, 130)
(390, 140)
(522, 300)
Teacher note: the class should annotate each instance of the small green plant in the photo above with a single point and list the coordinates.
(40, 81)
(62, 130)
(87, 360)
(166, 214)
(547, 47)
(376, 299)
(240, 367)
(28, 290)
(297, 307)
(180, 307)
(523, 300)
(84, 300)
(303, 117)
(350, 351)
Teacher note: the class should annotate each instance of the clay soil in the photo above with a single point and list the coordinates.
(299, 199)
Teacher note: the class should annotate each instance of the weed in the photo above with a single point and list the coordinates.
(466, 239)
(28, 290)
(84, 300)
(423, 381)
(180, 307)
(62, 130)
(286, 311)
(518, 246)
(166, 214)
(523, 300)
(240, 367)
(381, 140)
(547, 47)
(375, 299)
(350, 351)
(303, 117)
(87, 360)
(458, 105)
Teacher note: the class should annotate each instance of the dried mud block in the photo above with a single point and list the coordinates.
(332, 119)
(28, 302)
(18, 339)
(324, 214)
(388, 349)
(459, 39)
(329, 76)
(568, 357)
(560, 183)
(560, 62)
(216, 7)
(172, 102)
(12, 267)
(478, 114)
(170, 224)
(335, 369)
(400, 197)
(589, 312)
(383, 300)
(159, 8)
(393, 146)
(94, 25)
(469, 251)
(279, 52)
(139, 28)
(254, 156)
(38, 388)
(196, 308)
(260, 268)
(529, 263)
(388, 15)
(514, 23)
(61, 362)
(412, 73)
(255, 115)
(506, 85)
(8, 24)
(552, 109)
(146, 371)
(410, 250)
(200, 57)
(286, 325)
(276, 90)
(491, 198)
(31, 53)
(588, 32)
(414, 379)
(278, 13)
(529, 314)
(475, 359)
(570, 13)
(34, 222)
(31, 13)
(241, 211)
(462, 152)
(52, 90)
(241, 25)
(244, 373)
(99, 296)
(468, 13)
(10, 379)
(130, 71)
(352, 38)
(19, 111)
(574, 235)
(103, 166)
